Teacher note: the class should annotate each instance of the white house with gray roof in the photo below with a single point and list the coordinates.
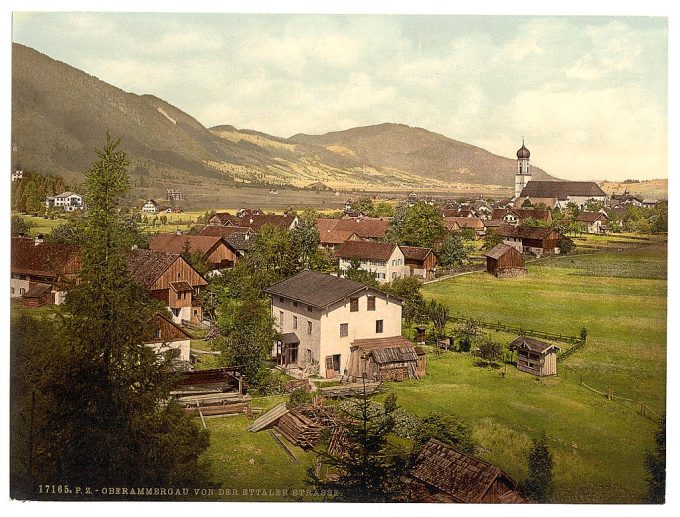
(68, 201)
(320, 316)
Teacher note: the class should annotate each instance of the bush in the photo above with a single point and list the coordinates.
(447, 429)
(490, 351)
(300, 397)
(269, 382)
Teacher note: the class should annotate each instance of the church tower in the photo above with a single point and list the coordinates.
(523, 175)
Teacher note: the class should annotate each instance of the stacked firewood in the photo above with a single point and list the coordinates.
(299, 429)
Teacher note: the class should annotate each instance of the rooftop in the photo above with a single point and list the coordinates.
(366, 250)
(532, 344)
(562, 189)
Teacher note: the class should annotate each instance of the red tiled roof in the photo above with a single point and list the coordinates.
(366, 250)
(256, 222)
(463, 222)
(44, 259)
(223, 231)
(365, 227)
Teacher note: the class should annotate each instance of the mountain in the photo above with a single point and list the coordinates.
(418, 151)
(59, 114)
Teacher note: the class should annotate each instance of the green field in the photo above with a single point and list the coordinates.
(598, 444)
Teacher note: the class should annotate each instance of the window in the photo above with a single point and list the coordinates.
(378, 326)
(344, 329)
(394, 275)
(309, 308)
(158, 333)
(354, 305)
(281, 318)
(295, 304)
(12, 290)
(370, 303)
(281, 299)
(309, 327)
(22, 291)
(294, 322)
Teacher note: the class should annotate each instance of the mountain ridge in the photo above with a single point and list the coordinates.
(60, 113)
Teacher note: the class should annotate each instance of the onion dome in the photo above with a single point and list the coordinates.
(523, 152)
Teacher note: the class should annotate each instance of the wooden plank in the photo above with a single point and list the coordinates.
(283, 446)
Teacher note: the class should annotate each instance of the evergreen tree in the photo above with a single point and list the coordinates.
(369, 469)
(655, 466)
(108, 420)
(538, 485)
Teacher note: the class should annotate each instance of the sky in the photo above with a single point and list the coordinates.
(588, 94)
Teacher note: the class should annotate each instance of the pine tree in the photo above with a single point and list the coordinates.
(109, 419)
(538, 485)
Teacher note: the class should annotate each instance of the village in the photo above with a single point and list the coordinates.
(353, 309)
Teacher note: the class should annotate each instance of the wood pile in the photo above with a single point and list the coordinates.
(298, 429)
(220, 409)
(336, 445)
(269, 418)
(295, 384)
(210, 399)
(325, 416)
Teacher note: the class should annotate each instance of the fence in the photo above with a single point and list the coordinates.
(576, 341)
(643, 408)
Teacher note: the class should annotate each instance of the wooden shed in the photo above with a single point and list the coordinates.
(534, 356)
(505, 261)
(384, 359)
(443, 474)
(38, 295)
(420, 335)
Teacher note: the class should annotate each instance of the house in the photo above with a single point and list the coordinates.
(534, 356)
(169, 278)
(366, 228)
(217, 252)
(225, 231)
(223, 219)
(35, 264)
(515, 216)
(595, 222)
(256, 221)
(319, 317)
(242, 242)
(330, 237)
(459, 212)
(626, 199)
(457, 224)
(169, 339)
(384, 260)
(538, 241)
(68, 201)
(577, 192)
(150, 207)
(384, 359)
(505, 261)
(420, 261)
(443, 474)
(173, 195)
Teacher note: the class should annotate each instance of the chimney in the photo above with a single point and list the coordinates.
(39, 239)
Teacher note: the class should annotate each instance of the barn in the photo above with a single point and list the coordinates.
(385, 359)
(38, 295)
(505, 261)
(534, 356)
(443, 474)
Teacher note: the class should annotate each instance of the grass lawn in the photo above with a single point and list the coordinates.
(40, 224)
(243, 460)
(624, 311)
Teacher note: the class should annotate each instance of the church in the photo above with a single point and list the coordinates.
(551, 193)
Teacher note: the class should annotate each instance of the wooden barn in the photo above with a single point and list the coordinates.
(217, 252)
(169, 339)
(443, 474)
(535, 357)
(421, 261)
(38, 295)
(385, 359)
(505, 261)
(538, 241)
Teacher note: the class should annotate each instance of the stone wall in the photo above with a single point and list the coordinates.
(511, 272)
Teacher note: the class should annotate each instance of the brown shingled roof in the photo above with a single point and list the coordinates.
(366, 250)
(173, 243)
(524, 232)
(523, 213)
(415, 252)
(463, 222)
(145, 266)
(562, 189)
(465, 478)
(590, 217)
(498, 251)
(256, 222)
(532, 344)
(365, 227)
(385, 350)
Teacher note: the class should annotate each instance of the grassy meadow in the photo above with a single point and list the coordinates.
(598, 444)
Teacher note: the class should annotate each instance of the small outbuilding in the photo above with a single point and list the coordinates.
(535, 357)
(420, 335)
(443, 474)
(169, 339)
(385, 359)
(38, 295)
(505, 261)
